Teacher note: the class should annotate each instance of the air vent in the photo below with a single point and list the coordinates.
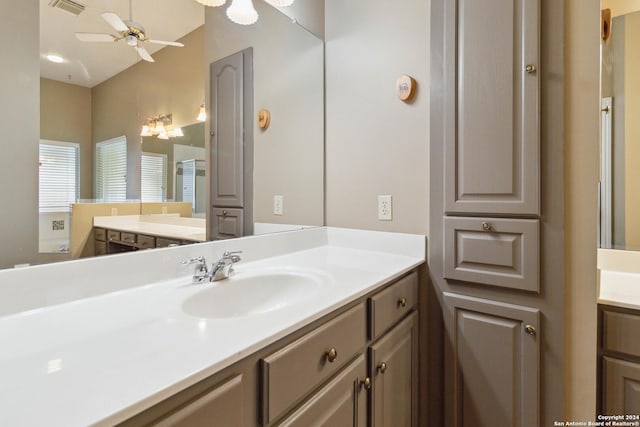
(68, 6)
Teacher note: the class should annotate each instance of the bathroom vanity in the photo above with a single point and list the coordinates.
(314, 324)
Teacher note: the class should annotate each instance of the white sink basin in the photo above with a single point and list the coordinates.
(251, 293)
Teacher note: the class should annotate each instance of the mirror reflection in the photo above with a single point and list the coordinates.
(94, 103)
(620, 134)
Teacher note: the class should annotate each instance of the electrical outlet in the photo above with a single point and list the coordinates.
(278, 208)
(384, 208)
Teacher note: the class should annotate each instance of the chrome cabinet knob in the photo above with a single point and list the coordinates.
(331, 355)
(382, 367)
(402, 302)
(530, 69)
(530, 329)
(486, 226)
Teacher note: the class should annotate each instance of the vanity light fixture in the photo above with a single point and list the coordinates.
(202, 115)
(242, 11)
(161, 126)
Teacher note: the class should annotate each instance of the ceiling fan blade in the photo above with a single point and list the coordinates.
(144, 54)
(115, 21)
(177, 44)
(95, 37)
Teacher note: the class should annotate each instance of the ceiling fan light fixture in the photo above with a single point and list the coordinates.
(131, 40)
(242, 12)
(212, 3)
(280, 3)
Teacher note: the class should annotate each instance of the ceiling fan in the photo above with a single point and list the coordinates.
(129, 31)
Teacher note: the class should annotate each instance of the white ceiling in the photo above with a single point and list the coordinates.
(88, 64)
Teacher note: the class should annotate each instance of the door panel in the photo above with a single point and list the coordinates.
(496, 363)
(227, 126)
(492, 147)
(621, 387)
(393, 369)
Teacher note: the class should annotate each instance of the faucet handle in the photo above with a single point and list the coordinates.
(196, 260)
(200, 272)
(232, 255)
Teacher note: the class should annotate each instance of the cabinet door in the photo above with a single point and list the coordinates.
(491, 107)
(342, 402)
(621, 387)
(227, 223)
(394, 373)
(227, 125)
(494, 349)
(221, 407)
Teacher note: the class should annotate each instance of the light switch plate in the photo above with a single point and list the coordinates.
(385, 208)
(278, 208)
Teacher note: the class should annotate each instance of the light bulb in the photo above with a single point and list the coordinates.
(145, 131)
(202, 115)
(163, 135)
(242, 12)
(160, 127)
(213, 3)
(280, 3)
(176, 132)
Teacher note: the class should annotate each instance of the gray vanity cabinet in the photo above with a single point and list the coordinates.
(491, 107)
(496, 349)
(220, 407)
(620, 362)
(392, 368)
(342, 402)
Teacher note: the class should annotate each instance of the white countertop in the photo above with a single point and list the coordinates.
(619, 278)
(78, 356)
(163, 225)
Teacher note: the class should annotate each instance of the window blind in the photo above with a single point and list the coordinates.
(111, 170)
(58, 175)
(154, 177)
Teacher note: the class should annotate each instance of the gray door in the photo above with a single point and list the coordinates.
(491, 107)
(227, 126)
(495, 355)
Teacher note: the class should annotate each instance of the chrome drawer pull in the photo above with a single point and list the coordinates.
(331, 355)
(382, 367)
(402, 302)
(530, 69)
(487, 226)
(530, 329)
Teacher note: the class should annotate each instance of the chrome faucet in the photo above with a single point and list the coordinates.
(220, 269)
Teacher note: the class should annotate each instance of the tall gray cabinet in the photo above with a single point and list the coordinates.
(494, 259)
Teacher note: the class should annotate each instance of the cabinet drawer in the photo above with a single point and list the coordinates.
(162, 242)
(493, 251)
(101, 248)
(146, 241)
(127, 237)
(100, 234)
(113, 235)
(391, 304)
(294, 371)
(621, 333)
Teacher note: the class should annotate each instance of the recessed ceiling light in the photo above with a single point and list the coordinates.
(55, 58)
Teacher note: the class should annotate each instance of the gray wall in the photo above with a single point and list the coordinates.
(19, 121)
(375, 143)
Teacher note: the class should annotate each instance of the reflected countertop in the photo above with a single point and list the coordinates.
(161, 225)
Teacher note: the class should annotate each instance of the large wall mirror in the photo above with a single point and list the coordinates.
(103, 91)
(620, 135)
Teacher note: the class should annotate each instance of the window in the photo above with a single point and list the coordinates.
(58, 177)
(154, 177)
(111, 170)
